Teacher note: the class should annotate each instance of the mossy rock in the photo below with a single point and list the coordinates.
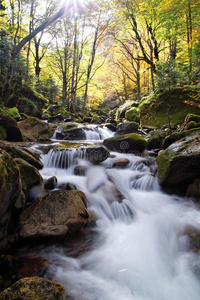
(172, 138)
(25, 154)
(34, 288)
(192, 117)
(159, 108)
(127, 143)
(179, 164)
(12, 200)
(121, 111)
(30, 176)
(3, 134)
(33, 129)
(132, 114)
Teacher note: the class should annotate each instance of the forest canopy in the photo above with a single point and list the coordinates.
(83, 53)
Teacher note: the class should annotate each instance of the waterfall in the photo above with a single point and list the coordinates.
(94, 132)
(63, 158)
(140, 251)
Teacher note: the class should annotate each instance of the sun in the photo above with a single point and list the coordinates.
(72, 3)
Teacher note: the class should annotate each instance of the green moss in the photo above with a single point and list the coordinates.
(132, 114)
(70, 126)
(13, 112)
(132, 136)
(164, 160)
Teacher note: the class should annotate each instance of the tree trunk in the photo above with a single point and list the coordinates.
(73, 92)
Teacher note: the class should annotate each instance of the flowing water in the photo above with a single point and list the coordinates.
(139, 251)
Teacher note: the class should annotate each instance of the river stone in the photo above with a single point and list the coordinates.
(30, 175)
(121, 163)
(34, 288)
(54, 215)
(96, 154)
(127, 143)
(34, 129)
(179, 164)
(12, 200)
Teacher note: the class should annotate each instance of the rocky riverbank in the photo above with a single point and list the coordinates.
(32, 209)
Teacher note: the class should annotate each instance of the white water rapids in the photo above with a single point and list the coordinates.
(141, 251)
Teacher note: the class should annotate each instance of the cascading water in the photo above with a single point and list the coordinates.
(94, 132)
(141, 251)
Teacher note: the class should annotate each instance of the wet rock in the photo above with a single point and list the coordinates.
(23, 153)
(50, 183)
(12, 200)
(127, 143)
(121, 163)
(80, 170)
(13, 132)
(96, 154)
(179, 164)
(74, 134)
(54, 215)
(127, 127)
(193, 190)
(34, 129)
(35, 288)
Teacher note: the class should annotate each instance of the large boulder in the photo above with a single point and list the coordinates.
(34, 288)
(54, 215)
(11, 127)
(34, 129)
(72, 134)
(12, 200)
(179, 164)
(127, 143)
(169, 106)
